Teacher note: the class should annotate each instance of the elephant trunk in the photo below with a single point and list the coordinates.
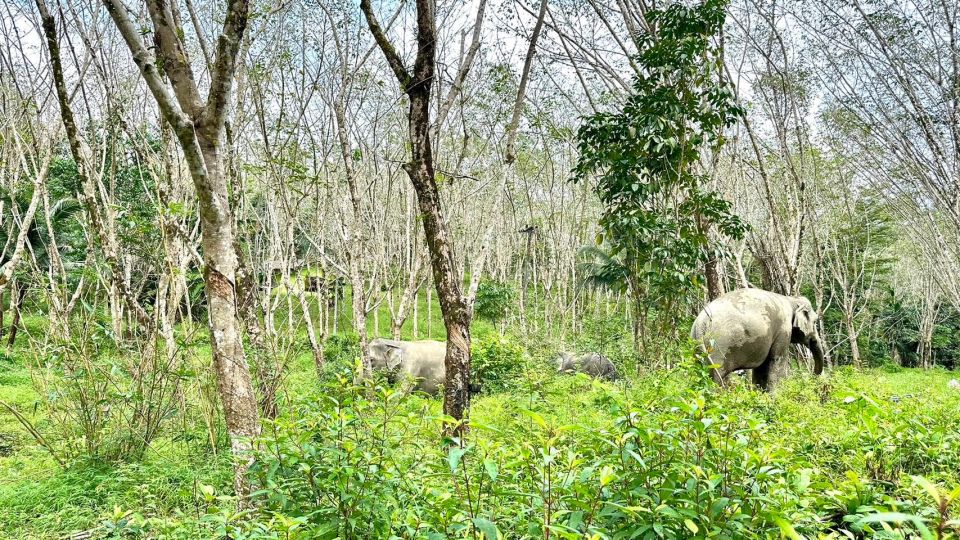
(817, 356)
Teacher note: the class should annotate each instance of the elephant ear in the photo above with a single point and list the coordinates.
(803, 319)
(394, 357)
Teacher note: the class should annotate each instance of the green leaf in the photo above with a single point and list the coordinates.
(455, 456)
(607, 475)
(537, 418)
(787, 530)
(898, 517)
(488, 528)
(491, 468)
(929, 487)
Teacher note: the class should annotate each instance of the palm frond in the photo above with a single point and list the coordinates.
(601, 270)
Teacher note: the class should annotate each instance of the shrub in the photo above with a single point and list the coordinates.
(345, 466)
(670, 456)
(350, 466)
(494, 300)
(497, 362)
(341, 349)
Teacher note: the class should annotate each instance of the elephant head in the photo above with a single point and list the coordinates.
(385, 354)
(805, 330)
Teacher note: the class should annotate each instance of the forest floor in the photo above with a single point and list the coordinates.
(843, 444)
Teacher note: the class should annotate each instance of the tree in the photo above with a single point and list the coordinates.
(198, 125)
(448, 279)
(34, 236)
(857, 260)
(890, 69)
(648, 159)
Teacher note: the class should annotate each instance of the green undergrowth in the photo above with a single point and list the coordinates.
(656, 455)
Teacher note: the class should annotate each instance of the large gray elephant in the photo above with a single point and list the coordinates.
(594, 364)
(422, 361)
(753, 328)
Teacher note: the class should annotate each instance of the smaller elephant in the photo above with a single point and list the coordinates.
(594, 364)
(422, 361)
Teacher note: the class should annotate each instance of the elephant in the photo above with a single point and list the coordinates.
(594, 364)
(420, 360)
(752, 329)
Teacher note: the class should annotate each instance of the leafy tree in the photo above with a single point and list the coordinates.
(494, 300)
(646, 160)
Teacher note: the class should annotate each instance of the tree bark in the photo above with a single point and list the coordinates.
(510, 153)
(714, 283)
(17, 294)
(853, 337)
(26, 222)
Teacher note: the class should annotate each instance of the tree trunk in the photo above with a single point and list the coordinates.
(17, 295)
(714, 283)
(711, 268)
(853, 337)
(420, 169)
(199, 126)
(456, 314)
(268, 376)
(396, 326)
(220, 261)
(360, 319)
(416, 314)
(316, 347)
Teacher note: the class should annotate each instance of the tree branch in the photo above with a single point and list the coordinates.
(524, 79)
(173, 56)
(464, 68)
(393, 58)
(224, 66)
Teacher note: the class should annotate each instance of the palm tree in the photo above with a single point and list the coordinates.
(602, 270)
(37, 241)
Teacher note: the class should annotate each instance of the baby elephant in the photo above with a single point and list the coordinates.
(594, 364)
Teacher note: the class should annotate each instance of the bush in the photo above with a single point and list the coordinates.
(341, 349)
(494, 300)
(852, 455)
(351, 466)
(497, 363)
(342, 466)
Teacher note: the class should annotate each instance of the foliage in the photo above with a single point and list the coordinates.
(664, 456)
(497, 362)
(325, 454)
(494, 300)
(341, 349)
(62, 213)
(645, 159)
(105, 400)
(602, 269)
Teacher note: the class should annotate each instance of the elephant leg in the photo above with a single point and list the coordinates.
(761, 375)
